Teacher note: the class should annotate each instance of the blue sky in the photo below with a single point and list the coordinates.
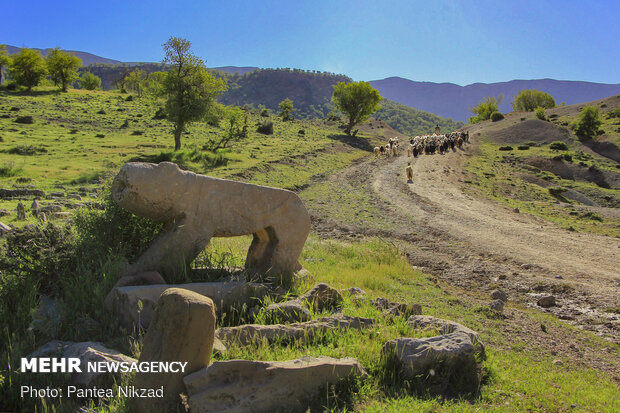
(455, 41)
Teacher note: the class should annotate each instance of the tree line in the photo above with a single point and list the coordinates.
(188, 88)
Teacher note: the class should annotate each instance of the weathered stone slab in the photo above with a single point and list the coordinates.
(15, 193)
(182, 330)
(123, 301)
(287, 312)
(447, 327)
(255, 333)
(197, 208)
(266, 386)
(322, 297)
(435, 363)
(88, 351)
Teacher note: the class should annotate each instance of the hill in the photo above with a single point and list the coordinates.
(453, 101)
(87, 58)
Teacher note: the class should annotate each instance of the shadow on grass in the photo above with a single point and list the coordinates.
(353, 141)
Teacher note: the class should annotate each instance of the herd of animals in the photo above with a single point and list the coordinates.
(427, 144)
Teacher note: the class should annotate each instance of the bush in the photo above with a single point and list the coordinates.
(26, 150)
(558, 146)
(25, 120)
(505, 148)
(540, 113)
(160, 113)
(614, 113)
(266, 128)
(495, 116)
(89, 81)
(528, 100)
(264, 113)
(588, 123)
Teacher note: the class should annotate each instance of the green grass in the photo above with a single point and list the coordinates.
(499, 175)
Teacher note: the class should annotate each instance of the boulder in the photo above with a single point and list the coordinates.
(182, 329)
(447, 327)
(15, 193)
(87, 351)
(497, 305)
(4, 229)
(196, 208)
(267, 386)
(499, 295)
(287, 312)
(546, 301)
(21, 211)
(124, 301)
(305, 332)
(391, 308)
(440, 364)
(322, 297)
(143, 278)
(4, 212)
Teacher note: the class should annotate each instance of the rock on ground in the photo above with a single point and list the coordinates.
(182, 329)
(87, 351)
(255, 333)
(287, 312)
(546, 301)
(499, 295)
(440, 364)
(447, 327)
(322, 297)
(123, 301)
(497, 305)
(263, 386)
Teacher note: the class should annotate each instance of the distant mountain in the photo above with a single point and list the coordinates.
(454, 101)
(87, 58)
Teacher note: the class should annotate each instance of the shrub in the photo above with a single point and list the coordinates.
(495, 116)
(528, 100)
(26, 150)
(614, 113)
(8, 169)
(505, 148)
(266, 128)
(264, 113)
(588, 123)
(89, 81)
(25, 120)
(540, 113)
(160, 113)
(558, 146)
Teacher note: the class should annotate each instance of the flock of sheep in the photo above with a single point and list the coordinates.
(427, 144)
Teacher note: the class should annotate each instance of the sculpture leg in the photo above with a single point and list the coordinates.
(172, 252)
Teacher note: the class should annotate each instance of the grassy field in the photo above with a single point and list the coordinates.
(521, 372)
(505, 175)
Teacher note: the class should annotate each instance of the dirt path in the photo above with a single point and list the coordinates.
(586, 261)
(478, 244)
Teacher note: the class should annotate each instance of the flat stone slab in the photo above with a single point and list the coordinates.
(255, 333)
(447, 327)
(266, 386)
(123, 301)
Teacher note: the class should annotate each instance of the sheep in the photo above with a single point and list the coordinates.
(376, 151)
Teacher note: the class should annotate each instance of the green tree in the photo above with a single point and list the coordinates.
(134, 81)
(588, 123)
(62, 67)
(5, 60)
(28, 68)
(152, 84)
(286, 109)
(189, 88)
(89, 81)
(528, 100)
(485, 108)
(357, 100)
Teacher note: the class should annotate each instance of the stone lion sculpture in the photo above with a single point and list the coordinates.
(196, 208)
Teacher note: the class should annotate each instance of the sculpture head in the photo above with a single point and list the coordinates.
(148, 190)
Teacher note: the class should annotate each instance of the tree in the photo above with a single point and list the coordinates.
(190, 89)
(134, 81)
(485, 108)
(5, 60)
(357, 100)
(588, 123)
(89, 81)
(62, 67)
(27, 68)
(286, 109)
(528, 100)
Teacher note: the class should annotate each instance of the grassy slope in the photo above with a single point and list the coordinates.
(506, 177)
(520, 376)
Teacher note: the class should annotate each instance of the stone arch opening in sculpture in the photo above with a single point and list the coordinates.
(196, 208)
